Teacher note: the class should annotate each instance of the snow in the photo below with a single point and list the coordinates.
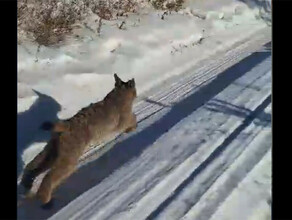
(239, 170)
(250, 199)
(203, 127)
(169, 169)
(172, 60)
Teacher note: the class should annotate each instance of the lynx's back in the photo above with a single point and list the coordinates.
(102, 120)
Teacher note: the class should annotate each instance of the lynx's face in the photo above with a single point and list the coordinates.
(126, 88)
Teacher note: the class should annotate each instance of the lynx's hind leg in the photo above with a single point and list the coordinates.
(54, 178)
(41, 163)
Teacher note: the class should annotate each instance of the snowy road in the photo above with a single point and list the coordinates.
(202, 150)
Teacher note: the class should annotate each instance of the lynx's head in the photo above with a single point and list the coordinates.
(126, 89)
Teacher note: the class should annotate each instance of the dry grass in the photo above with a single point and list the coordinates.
(48, 22)
(109, 9)
(171, 5)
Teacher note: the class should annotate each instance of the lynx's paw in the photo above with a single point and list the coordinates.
(49, 205)
(130, 129)
(27, 181)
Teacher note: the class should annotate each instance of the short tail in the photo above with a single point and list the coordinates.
(55, 127)
(47, 126)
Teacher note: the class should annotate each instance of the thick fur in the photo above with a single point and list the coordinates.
(70, 138)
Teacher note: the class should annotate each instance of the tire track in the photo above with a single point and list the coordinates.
(218, 170)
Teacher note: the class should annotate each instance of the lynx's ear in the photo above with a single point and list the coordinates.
(118, 81)
(131, 83)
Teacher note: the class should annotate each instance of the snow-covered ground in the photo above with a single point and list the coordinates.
(151, 51)
(202, 158)
(202, 147)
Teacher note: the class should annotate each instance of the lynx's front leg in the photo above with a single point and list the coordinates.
(133, 124)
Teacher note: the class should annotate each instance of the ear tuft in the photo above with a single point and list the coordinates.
(131, 83)
(118, 81)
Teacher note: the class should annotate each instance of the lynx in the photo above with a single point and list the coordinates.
(71, 137)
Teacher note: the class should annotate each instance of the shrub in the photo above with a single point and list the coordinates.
(47, 22)
(172, 5)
